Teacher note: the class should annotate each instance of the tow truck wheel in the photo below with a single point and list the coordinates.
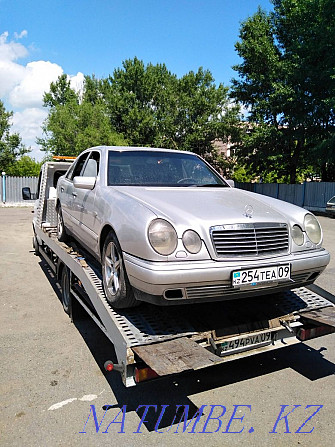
(118, 290)
(36, 246)
(65, 286)
(61, 233)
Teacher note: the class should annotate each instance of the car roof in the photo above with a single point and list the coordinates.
(136, 148)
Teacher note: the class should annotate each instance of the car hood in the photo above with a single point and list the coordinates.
(212, 206)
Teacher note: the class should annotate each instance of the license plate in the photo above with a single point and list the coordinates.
(253, 277)
(246, 342)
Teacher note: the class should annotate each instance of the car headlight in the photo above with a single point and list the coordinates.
(192, 241)
(162, 237)
(297, 235)
(312, 228)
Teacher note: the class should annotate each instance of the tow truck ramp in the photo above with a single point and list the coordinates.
(151, 341)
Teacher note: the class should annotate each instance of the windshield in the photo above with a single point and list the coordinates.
(148, 168)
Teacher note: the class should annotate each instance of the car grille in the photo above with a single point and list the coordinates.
(256, 239)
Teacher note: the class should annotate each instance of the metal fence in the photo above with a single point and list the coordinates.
(11, 188)
(310, 195)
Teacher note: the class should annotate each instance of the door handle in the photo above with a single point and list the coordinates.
(62, 189)
(74, 194)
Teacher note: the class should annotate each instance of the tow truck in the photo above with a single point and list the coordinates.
(152, 342)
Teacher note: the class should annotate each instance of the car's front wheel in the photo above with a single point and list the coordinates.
(118, 290)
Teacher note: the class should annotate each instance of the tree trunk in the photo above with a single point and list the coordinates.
(295, 161)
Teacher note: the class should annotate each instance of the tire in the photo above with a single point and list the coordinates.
(66, 294)
(61, 232)
(36, 246)
(118, 290)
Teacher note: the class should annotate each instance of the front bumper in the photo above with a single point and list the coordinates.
(211, 280)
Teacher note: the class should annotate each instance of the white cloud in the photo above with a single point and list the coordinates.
(10, 75)
(36, 80)
(11, 72)
(77, 82)
(22, 88)
(11, 51)
(23, 33)
(23, 85)
(28, 124)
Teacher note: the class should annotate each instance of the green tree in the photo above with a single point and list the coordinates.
(287, 81)
(25, 166)
(75, 123)
(137, 99)
(199, 112)
(10, 144)
(139, 105)
(150, 106)
(60, 93)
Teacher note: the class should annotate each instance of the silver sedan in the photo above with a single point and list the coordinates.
(168, 229)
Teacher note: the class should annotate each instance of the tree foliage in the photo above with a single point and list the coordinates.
(75, 123)
(287, 81)
(10, 144)
(150, 106)
(60, 93)
(138, 105)
(73, 127)
(25, 166)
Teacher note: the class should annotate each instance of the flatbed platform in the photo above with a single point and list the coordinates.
(173, 339)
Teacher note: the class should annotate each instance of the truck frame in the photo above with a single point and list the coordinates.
(150, 341)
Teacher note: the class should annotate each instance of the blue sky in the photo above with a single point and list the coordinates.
(40, 39)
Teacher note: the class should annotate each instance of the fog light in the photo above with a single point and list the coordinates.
(297, 235)
(192, 241)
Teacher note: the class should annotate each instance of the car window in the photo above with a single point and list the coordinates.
(57, 174)
(332, 200)
(146, 168)
(70, 171)
(91, 169)
(77, 167)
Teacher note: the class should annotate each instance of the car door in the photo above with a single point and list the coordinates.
(85, 212)
(68, 194)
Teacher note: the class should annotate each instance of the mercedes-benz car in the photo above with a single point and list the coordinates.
(168, 229)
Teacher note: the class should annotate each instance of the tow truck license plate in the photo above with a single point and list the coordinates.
(264, 274)
(246, 342)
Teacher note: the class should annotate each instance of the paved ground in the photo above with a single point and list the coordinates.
(52, 378)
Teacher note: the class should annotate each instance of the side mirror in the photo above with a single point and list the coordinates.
(84, 182)
(26, 194)
(231, 183)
